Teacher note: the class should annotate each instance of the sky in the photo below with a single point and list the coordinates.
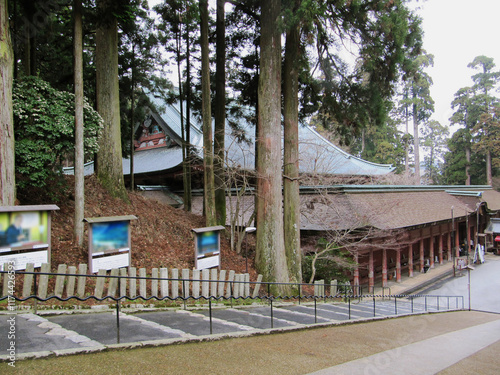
(456, 31)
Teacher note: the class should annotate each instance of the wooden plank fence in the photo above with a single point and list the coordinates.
(161, 282)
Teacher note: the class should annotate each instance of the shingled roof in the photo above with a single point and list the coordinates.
(317, 154)
(383, 207)
(395, 207)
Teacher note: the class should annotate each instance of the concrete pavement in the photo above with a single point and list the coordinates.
(426, 357)
(59, 333)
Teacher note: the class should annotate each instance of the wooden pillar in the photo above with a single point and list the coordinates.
(410, 260)
(421, 242)
(371, 278)
(398, 265)
(457, 244)
(448, 236)
(384, 267)
(431, 248)
(468, 237)
(440, 247)
(356, 270)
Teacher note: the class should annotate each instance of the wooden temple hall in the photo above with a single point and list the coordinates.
(390, 230)
(396, 230)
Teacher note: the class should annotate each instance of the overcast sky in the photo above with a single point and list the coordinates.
(456, 31)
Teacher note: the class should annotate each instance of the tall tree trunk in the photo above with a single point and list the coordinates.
(220, 117)
(291, 155)
(489, 175)
(187, 184)
(178, 38)
(132, 124)
(7, 156)
(28, 38)
(467, 166)
(270, 247)
(79, 149)
(208, 153)
(416, 143)
(109, 157)
(407, 144)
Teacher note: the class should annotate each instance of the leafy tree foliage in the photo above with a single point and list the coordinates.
(44, 128)
(455, 162)
(474, 110)
(434, 141)
(487, 133)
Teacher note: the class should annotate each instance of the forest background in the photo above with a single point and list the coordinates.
(357, 71)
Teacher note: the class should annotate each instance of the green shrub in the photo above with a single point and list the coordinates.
(44, 125)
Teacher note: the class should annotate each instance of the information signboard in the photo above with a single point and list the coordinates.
(207, 247)
(25, 235)
(109, 242)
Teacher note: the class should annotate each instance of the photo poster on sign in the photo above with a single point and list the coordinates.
(207, 247)
(208, 243)
(25, 235)
(109, 242)
(112, 235)
(24, 230)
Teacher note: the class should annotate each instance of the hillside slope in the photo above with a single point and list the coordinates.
(161, 236)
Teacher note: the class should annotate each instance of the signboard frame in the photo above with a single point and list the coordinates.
(25, 234)
(109, 242)
(207, 247)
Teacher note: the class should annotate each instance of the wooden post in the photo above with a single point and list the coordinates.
(356, 270)
(422, 257)
(449, 234)
(154, 282)
(142, 283)
(123, 282)
(28, 280)
(99, 284)
(164, 283)
(371, 273)
(257, 287)
(440, 248)
(196, 283)
(113, 282)
(410, 260)
(213, 282)
(205, 288)
(82, 280)
(175, 283)
(398, 265)
(185, 283)
(132, 282)
(222, 278)
(431, 249)
(70, 288)
(230, 284)
(247, 285)
(44, 281)
(384, 267)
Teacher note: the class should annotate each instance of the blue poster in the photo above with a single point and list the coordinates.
(109, 236)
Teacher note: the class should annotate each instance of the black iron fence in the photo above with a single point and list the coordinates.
(263, 291)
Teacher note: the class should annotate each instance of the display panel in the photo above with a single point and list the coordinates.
(108, 236)
(24, 230)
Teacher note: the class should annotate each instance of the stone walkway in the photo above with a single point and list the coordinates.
(59, 332)
(426, 357)
(62, 333)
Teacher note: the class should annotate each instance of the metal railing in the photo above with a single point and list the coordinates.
(346, 293)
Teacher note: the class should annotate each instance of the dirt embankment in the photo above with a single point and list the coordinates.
(161, 236)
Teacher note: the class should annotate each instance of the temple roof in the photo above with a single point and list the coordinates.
(385, 207)
(317, 154)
